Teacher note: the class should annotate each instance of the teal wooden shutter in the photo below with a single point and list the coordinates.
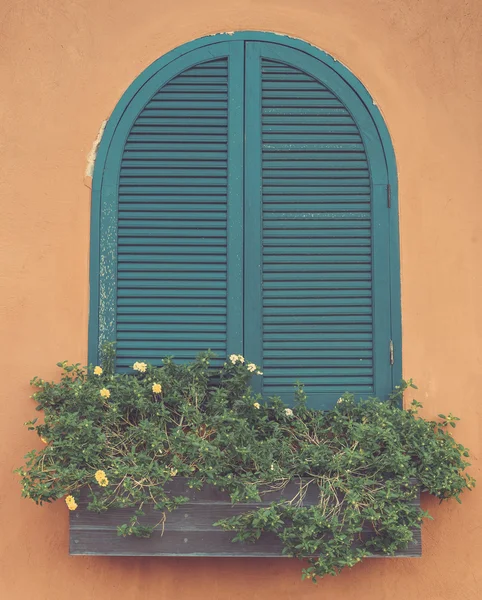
(177, 272)
(241, 205)
(317, 305)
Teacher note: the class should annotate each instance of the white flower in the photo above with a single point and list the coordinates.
(241, 358)
(288, 412)
(252, 367)
(259, 372)
(233, 358)
(272, 467)
(257, 405)
(339, 401)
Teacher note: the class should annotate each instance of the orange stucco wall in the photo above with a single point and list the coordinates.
(63, 66)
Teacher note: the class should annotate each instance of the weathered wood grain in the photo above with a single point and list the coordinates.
(189, 530)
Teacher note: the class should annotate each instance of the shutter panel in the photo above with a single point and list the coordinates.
(179, 194)
(312, 260)
(243, 208)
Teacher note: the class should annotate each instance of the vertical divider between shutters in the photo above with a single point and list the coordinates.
(253, 217)
(235, 241)
(381, 291)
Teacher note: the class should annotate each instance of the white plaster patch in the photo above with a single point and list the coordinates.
(89, 170)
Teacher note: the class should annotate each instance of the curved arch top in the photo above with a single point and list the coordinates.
(372, 140)
(140, 85)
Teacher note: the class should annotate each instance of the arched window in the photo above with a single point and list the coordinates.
(244, 201)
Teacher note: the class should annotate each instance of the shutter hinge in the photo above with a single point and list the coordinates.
(389, 196)
(392, 360)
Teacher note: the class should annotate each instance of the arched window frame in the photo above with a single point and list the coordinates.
(103, 238)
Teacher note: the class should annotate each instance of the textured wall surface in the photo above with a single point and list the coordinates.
(63, 66)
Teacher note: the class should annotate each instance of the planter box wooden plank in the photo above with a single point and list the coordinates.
(189, 531)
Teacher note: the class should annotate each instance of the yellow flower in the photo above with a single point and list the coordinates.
(71, 503)
(156, 388)
(101, 478)
(104, 392)
(98, 371)
(44, 440)
(257, 405)
(139, 366)
(173, 472)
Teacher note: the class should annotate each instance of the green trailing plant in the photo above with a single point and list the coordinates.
(124, 437)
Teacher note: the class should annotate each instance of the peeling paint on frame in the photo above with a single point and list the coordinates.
(108, 268)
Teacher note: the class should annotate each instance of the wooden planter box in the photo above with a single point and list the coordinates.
(188, 530)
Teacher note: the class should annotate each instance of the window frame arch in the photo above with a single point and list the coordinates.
(357, 100)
